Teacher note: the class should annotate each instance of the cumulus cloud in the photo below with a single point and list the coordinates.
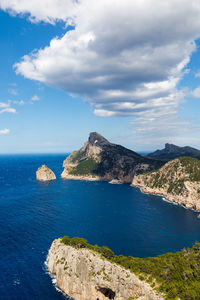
(4, 131)
(47, 10)
(125, 58)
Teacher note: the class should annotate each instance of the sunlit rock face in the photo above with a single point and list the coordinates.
(45, 174)
(84, 275)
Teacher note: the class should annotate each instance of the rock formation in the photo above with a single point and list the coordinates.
(178, 181)
(100, 159)
(45, 174)
(84, 275)
(172, 151)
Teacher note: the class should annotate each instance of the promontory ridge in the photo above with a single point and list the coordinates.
(100, 159)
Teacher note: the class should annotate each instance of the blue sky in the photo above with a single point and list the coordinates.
(136, 87)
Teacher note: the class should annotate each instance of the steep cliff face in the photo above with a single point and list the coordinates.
(100, 159)
(45, 174)
(178, 181)
(84, 275)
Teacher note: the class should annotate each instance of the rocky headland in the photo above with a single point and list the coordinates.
(84, 274)
(178, 181)
(99, 159)
(87, 272)
(45, 174)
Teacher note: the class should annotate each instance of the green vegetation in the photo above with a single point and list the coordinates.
(77, 156)
(85, 167)
(192, 167)
(177, 274)
(173, 175)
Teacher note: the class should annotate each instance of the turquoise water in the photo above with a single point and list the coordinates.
(33, 214)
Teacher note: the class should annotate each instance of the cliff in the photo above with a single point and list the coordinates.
(178, 181)
(172, 151)
(84, 274)
(100, 159)
(45, 174)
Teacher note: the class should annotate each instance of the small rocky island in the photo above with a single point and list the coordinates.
(84, 274)
(45, 174)
(99, 159)
(178, 181)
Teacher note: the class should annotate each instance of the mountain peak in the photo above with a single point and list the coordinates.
(172, 151)
(171, 147)
(95, 138)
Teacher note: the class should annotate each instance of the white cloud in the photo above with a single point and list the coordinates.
(18, 102)
(124, 57)
(35, 98)
(4, 131)
(8, 110)
(196, 92)
(3, 104)
(47, 10)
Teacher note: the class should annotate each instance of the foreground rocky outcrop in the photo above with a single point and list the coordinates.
(45, 174)
(178, 181)
(84, 274)
(99, 159)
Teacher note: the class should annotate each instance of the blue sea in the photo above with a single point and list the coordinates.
(33, 214)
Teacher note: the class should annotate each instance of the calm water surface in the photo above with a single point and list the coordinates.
(33, 214)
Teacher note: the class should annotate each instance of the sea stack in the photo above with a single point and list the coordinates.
(45, 174)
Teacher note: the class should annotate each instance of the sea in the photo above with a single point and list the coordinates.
(33, 214)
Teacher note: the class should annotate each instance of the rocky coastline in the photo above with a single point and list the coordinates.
(174, 182)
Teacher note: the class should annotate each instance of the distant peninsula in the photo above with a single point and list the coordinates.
(172, 151)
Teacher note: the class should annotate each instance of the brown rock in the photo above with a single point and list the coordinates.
(45, 174)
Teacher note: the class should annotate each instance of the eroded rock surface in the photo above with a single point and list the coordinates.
(45, 174)
(84, 275)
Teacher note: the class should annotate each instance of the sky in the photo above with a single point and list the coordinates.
(129, 70)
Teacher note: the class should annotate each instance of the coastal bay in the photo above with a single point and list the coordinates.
(34, 213)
